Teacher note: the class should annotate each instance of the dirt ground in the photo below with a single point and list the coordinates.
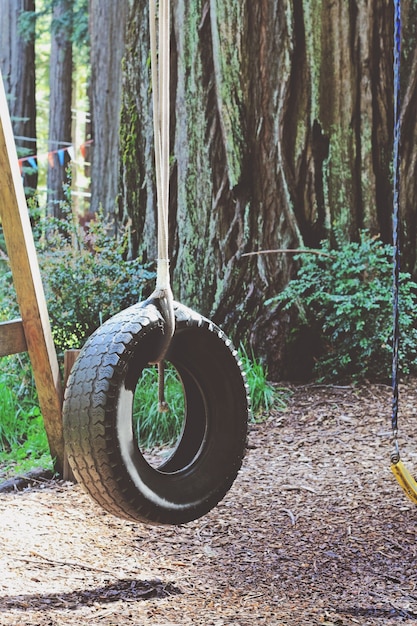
(315, 531)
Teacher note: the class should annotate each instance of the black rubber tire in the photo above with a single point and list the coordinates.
(97, 417)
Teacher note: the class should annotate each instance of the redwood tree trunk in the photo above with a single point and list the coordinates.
(281, 132)
(17, 64)
(137, 193)
(408, 149)
(60, 105)
(107, 29)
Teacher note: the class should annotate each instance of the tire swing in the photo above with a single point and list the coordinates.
(100, 439)
(401, 473)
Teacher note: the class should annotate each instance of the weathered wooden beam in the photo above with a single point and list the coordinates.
(70, 356)
(28, 285)
(12, 337)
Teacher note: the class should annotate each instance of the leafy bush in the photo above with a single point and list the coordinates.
(87, 279)
(85, 275)
(343, 297)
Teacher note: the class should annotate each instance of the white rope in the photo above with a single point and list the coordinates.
(161, 105)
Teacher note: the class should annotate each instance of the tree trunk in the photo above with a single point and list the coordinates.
(107, 29)
(408, 150)
(282, 132)
(136, 174)
(17, 64)
(60, 105)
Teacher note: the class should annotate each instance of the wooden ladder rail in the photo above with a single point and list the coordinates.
(33, 331)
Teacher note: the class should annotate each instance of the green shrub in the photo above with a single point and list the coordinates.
(85, 275)
(87, 279)
(343, 299)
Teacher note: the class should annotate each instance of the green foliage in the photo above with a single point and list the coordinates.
(153, 427)
(73, 22)
(344, 298)
(85, 275)
(23, 440)
(86, 278)
(263, 395)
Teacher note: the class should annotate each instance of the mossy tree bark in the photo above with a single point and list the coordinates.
(408, 148)
(281, 132)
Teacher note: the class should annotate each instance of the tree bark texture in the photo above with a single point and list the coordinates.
(107, 29)
(17, 64)
(282, 125)
(408, 148)
(136, 138)
(60, 81)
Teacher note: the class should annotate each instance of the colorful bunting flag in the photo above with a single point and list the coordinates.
(32, 163)
(70, 150)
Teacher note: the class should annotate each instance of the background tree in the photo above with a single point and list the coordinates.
(60, 81)
(282, 130)
(107, 29)
(17, 64)
(408, 151)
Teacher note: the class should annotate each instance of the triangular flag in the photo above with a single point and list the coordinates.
(71, 152)
(61, 156)
(32, 163)
(51, 159)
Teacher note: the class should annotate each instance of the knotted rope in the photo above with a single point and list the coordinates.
(160, 65)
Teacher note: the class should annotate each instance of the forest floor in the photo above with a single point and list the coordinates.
(315, 531)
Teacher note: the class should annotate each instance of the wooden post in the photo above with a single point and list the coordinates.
(12, 337)
(29, 290)
(70, 357)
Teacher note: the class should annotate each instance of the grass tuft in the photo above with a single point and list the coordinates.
(23, 440)
(264, 396)
(151, 426)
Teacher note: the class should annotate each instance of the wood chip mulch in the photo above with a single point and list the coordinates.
(315, 531)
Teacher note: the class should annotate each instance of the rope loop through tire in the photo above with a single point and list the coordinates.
(102, 446)
(98, 407)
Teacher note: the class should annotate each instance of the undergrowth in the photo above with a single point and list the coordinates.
(155, 428)
(23, 440)
(341, 306)
(87, 279)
